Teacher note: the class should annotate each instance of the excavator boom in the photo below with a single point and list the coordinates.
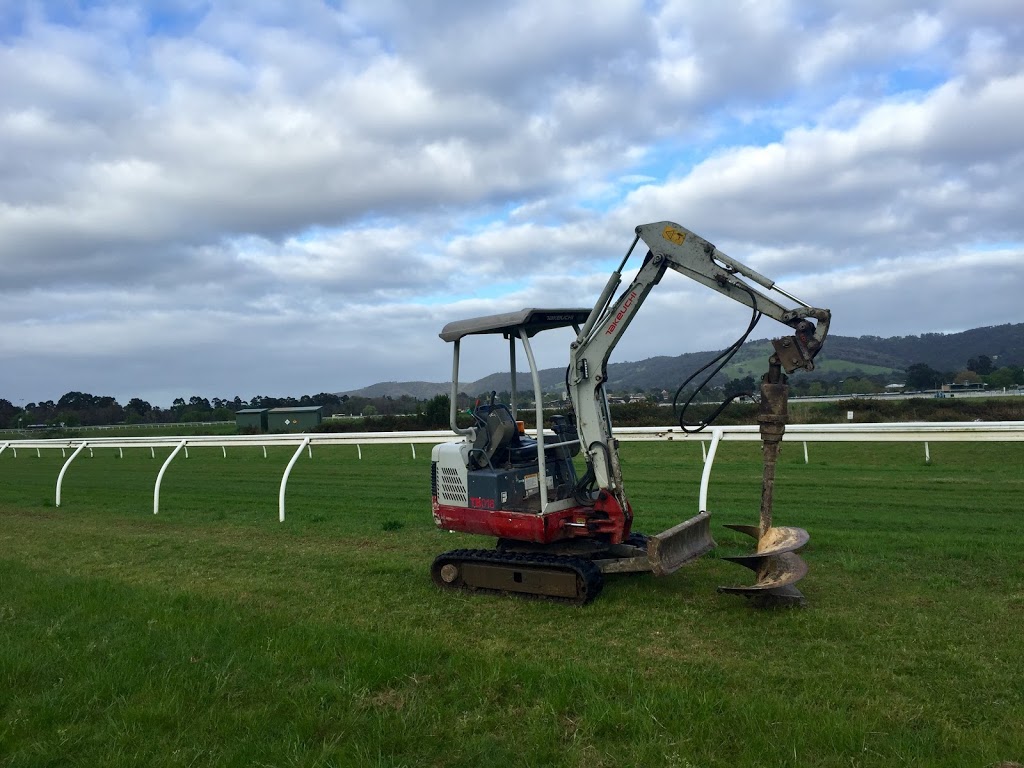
(671, 246)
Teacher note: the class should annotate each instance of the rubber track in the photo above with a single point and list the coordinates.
(586, 570)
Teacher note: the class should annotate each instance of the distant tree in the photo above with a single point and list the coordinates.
(224, 413)
(8, 413)
(369, 410)
(330, 402)
(982, 365)
(76, 401)
(67, 419)
(137, 409)
(437, 411)
(744, 386)
(1005, 377)
(966, 377)
(105, 411)
(198, 403)
(922, 376)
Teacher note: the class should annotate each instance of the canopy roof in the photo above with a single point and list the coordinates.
(532, 320)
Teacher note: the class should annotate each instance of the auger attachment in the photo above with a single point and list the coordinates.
(776, 562)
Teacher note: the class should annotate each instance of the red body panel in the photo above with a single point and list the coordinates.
(539, 529)
(520, 526)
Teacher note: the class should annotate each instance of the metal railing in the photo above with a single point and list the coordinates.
(920, 432)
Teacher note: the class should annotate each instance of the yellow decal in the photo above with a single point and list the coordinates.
(673, 235)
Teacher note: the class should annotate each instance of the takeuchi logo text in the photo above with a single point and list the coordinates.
(623, 311)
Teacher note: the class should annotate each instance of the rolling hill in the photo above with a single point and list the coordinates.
(843, 356)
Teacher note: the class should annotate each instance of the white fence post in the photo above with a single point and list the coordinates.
(705, 477)
(284, 479)
(160, 476)
(60, 477)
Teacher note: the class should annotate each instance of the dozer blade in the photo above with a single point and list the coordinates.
(669, 550)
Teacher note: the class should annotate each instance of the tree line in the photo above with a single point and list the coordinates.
(76, 409)
(81, 409)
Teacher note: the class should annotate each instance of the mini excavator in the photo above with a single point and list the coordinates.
(558, 531)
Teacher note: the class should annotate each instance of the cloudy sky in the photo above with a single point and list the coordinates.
(280, 198)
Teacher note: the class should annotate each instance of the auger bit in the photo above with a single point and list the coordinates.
(776, 562)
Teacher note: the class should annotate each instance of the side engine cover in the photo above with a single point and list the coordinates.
(450, 476)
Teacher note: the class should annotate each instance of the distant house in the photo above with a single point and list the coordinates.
(297, 419)
(966, 387)
(252, 418)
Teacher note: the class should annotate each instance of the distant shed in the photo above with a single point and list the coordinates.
(297, 419)
(252, 418)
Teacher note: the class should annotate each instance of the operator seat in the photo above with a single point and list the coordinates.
(498, 432)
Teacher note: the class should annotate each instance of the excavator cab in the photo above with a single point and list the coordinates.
(497, 466)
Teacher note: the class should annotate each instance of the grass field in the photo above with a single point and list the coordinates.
(213, 635)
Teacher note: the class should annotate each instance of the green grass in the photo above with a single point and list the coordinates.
(210, 634)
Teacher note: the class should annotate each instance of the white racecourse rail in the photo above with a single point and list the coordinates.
(922, 432)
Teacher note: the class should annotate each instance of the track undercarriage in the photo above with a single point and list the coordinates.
(570, 571)
(556, 578)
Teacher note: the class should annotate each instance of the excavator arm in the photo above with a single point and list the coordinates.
(670, 246)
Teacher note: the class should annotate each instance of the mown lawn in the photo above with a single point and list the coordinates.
(210, 634)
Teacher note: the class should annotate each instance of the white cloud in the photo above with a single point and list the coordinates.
(252, 197)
